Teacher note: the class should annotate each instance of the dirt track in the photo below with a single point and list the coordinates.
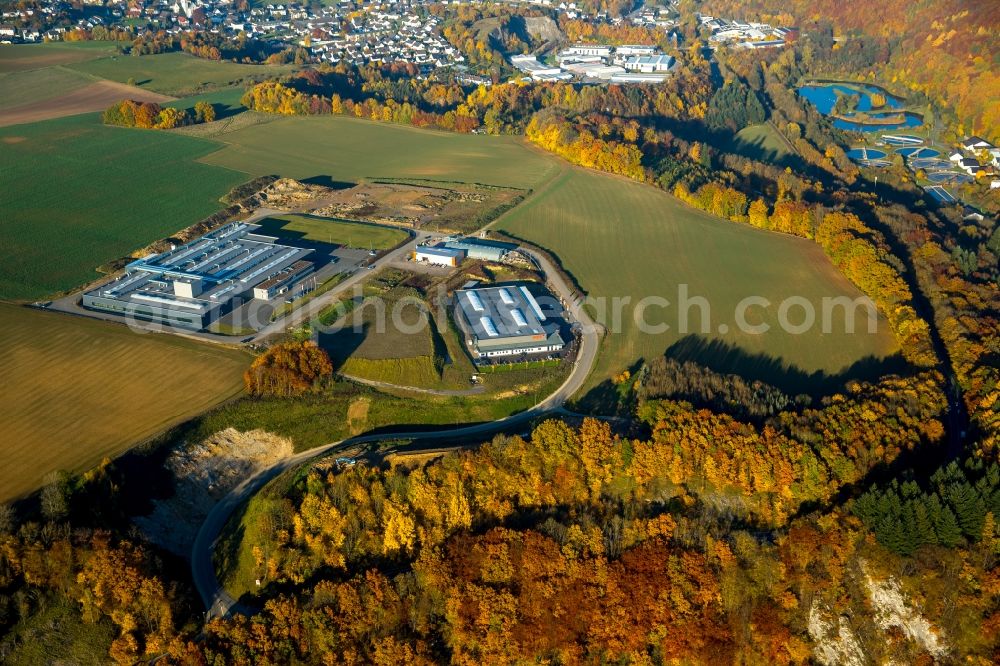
(94, 97)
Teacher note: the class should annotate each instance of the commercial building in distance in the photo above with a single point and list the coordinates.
(628, 63)
(475, 248)
(580, 51)
(194, 284)
(538, 71)
(440, 256)
(649, 64)
(629, 50)
(452, 252)
(506, 321)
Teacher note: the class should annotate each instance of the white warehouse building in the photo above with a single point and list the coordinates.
(507, 320)
(649, 64)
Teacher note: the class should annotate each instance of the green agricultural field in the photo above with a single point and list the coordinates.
(760, 142)
(177, 74)
(76, 390)
(78, 194)
(623, 239)
(22, 87)
(20, 57)
(416, 371)
(348, 149)
(335, 232)
(225, 100)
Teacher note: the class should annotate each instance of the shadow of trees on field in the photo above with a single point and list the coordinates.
(223, 111)
(342, 343)
(725, 358)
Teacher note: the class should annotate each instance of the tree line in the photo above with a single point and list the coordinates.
(150, 115)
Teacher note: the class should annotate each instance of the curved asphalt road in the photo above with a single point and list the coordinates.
(219, 603)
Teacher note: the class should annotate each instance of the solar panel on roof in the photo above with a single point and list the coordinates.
(487, 323)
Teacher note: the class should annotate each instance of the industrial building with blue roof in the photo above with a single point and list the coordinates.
(194, 284)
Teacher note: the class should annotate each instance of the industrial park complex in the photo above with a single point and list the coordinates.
(595, 63)
(194, 284)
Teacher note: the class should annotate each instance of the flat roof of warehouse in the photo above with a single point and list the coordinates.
(223, 264)
(439, 251)
(507, 311)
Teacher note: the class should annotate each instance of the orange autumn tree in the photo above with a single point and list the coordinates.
(288, 369)
(130, 113)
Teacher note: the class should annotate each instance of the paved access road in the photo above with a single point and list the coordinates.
(219, 603)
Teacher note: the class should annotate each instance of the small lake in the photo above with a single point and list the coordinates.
(824, 95)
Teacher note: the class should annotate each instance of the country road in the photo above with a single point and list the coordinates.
(218, 602)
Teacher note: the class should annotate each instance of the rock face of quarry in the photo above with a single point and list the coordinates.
(893, 611)
(887, 611)
(203, 473)
(543, 28)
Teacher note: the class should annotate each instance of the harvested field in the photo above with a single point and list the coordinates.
(27, 87)
(76, 390)
(230, 123)
(383, 329)
(23, 57)
(387, 339)
(93, 97)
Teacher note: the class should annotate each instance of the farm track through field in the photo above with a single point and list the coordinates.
(784, 139)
